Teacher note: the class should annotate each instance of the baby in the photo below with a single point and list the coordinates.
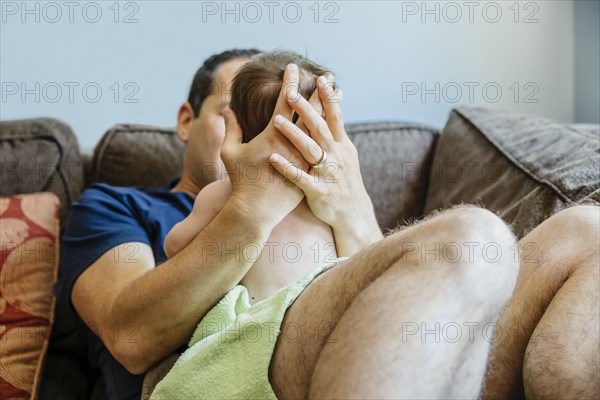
(300, 242)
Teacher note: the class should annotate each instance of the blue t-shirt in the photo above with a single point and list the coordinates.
(104, 217)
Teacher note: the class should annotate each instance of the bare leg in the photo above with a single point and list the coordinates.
(433, 272)
(556, 305)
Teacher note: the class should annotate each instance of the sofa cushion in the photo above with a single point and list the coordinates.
(394, 161)
(40, 155)
(137, 155)
(395, 158)
(523, 167)
(29, 230)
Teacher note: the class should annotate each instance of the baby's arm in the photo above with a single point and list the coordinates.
(208, 204)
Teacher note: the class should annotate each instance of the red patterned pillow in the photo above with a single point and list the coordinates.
(29, 240)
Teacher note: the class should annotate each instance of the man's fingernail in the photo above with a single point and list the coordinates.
(322, 80)
(278, 120)
(293, 95)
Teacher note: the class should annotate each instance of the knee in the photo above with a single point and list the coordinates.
(577, 221)
(474, 224)
(475, 245)
(570, 237)
(481, 236)
(492, 265)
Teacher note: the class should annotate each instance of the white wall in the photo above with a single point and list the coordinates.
(587, 61)
(381, 51)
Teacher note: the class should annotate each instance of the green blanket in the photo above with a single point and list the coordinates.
(230, 351)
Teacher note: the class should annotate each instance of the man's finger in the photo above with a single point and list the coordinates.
(332, 99)
(310, 150)
(331, 83)
(313, 120)
(233, 131)
(315, 102)
(294, 174)
(291, 79)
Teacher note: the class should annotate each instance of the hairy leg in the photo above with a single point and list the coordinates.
(358, 328)
(551, 348)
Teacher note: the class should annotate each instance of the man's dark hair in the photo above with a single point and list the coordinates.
(256, 87)
(203, 83)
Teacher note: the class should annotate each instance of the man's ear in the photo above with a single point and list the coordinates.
(185, 117)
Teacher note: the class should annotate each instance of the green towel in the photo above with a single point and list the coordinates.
(230, 351)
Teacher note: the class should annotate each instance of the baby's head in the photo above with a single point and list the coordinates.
(256, 87)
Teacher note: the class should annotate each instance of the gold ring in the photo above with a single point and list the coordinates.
(322, 161)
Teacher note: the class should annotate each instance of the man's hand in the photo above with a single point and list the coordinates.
(335, 191)
(264, 195)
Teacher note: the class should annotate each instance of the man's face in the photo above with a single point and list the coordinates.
(208, 130)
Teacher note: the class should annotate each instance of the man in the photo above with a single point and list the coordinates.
(357, 313)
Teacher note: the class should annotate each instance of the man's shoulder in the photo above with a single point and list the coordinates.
(99, 188)
(101, 199)
(106, 192)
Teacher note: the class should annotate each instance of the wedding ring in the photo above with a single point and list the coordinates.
(322, 161)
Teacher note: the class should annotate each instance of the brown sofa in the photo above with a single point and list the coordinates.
(523, 167)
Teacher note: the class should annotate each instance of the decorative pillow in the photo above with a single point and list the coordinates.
(524, 167)
(29, 234)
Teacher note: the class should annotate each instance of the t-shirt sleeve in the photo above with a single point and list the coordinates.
(101, 219)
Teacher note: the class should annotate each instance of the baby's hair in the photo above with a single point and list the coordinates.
(256, 87)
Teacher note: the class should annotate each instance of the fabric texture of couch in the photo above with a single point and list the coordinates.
(41, 155)
(523, 167)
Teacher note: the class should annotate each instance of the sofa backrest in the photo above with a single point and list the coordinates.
(137, 155)
(394, 160)
(40, 155)
(523, 167)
